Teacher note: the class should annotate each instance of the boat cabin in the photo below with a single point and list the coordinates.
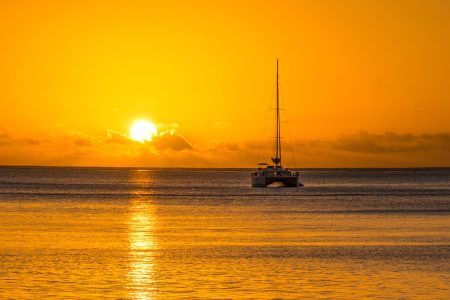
(272, 171)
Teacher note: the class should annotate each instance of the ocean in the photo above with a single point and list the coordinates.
(115, 233)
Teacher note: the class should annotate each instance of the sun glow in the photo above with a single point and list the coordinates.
(143, 131)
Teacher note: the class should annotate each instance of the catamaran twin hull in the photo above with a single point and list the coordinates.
(264, 181)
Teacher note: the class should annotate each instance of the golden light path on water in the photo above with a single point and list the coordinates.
(142, 243)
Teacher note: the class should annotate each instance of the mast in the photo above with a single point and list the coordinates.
(277, 158)
(279, 120)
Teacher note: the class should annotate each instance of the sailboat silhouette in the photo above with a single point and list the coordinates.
(275, 173)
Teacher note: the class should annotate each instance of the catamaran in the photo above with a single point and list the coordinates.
(268, 174)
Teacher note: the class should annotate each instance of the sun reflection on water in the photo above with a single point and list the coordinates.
(142, 243)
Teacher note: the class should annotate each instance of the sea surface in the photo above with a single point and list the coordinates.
(106, 233)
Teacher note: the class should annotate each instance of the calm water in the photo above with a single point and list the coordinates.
(161, 234)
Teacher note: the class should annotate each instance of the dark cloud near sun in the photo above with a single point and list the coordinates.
(170, 140)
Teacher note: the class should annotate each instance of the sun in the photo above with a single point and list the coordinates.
(143, 131)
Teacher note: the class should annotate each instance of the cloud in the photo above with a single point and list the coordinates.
(4, 138)
(170, 138)
(33, 142)
(221, 124)
(391, 142)
(171, 141)
(216, 146)
(83, 142)
(7, 140)
(115, 137)
(171, 148)
(364, 149)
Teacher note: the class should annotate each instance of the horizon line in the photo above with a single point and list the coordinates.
(221, 168)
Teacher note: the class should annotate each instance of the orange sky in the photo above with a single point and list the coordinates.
(364, 83)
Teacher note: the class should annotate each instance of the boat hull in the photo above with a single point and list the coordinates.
(264, 181)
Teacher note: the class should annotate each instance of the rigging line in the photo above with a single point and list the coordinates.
(265, 124)
(289, 134)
